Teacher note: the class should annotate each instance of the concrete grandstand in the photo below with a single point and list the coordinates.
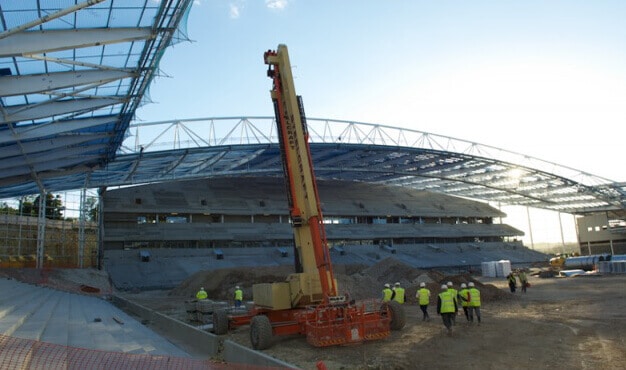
(157, 235)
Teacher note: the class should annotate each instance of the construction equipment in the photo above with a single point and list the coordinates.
(557, 262)
(308, 301)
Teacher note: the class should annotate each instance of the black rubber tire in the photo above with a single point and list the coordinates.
(398, 316)
(260, 332)
(220, 322)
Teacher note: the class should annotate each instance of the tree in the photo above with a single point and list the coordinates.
(28, 206)
(54, 207)
(91, 205)
(5, 208)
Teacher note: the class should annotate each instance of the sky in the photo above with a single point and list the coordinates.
(541, 78)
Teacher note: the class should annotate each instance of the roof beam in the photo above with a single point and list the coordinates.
(49, 17)
(57, 142)
(174, 163)
(24, 133)
(18, 113)
(56, 161)
(36, 83)
(34, 42)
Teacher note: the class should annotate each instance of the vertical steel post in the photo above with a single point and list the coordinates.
(41, 229)
(100, 255)
(81, 227)
(530, 228)
(19, 221)
(562, 237)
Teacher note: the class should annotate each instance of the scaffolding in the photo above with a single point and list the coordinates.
(67, 239)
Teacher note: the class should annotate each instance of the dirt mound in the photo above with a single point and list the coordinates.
(358, 281)
(220, 284)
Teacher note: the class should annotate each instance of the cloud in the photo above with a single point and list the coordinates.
(276, 4)
(234, 11)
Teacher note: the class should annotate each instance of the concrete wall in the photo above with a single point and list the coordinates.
(198, 342)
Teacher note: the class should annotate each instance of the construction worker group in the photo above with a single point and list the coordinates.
(393, 294)
(237, 296)
(449, 300)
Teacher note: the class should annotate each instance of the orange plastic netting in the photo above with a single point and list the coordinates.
(17, 353)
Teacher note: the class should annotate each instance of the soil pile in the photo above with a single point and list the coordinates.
(359, 281)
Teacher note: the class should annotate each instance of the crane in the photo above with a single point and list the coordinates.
(307, 302)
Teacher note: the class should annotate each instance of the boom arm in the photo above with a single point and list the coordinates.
(304, 206)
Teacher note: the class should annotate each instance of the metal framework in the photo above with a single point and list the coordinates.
(346, 150)
(72, 74)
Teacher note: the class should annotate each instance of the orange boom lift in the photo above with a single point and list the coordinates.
(307, 302)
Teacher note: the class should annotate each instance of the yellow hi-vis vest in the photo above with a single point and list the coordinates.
(423, 295)
(201, 295)
(454, 295)
(387, 295)
(464, 293)
(474, 297)
(399, 295)
(447, 302)
(238, 295)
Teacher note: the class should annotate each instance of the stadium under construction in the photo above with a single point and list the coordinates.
(160, 201)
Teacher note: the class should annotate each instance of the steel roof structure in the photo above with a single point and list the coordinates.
(344, 150)
(72, 75)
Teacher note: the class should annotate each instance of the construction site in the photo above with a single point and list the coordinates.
(272, 242)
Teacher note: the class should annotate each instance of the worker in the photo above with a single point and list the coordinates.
(523, 280)
(512, 282)
(387, 293)
(454, 294)
(399, 293)
(474, 303)
(238, 296)
(446, 307)
(201, 294)
(423, 298)
(464, 299)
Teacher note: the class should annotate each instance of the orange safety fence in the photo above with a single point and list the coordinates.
(27, 354)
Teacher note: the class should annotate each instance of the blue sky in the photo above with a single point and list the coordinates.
(543, 78)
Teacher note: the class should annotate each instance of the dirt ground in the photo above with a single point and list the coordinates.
(576, 323)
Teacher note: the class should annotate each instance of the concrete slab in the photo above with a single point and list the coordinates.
(69, 319)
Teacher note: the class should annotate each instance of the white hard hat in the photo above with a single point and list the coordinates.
(387, 285)
(201, 288)
(463, 285)
(449, 283)
(444, 287)
(470, 284)
(237, 287)
(397, 284)
(422, 285)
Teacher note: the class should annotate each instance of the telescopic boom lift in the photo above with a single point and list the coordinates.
(308, 301)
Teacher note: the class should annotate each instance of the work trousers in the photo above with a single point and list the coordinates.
(424, 309)
(447, 319)
(473, 310)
